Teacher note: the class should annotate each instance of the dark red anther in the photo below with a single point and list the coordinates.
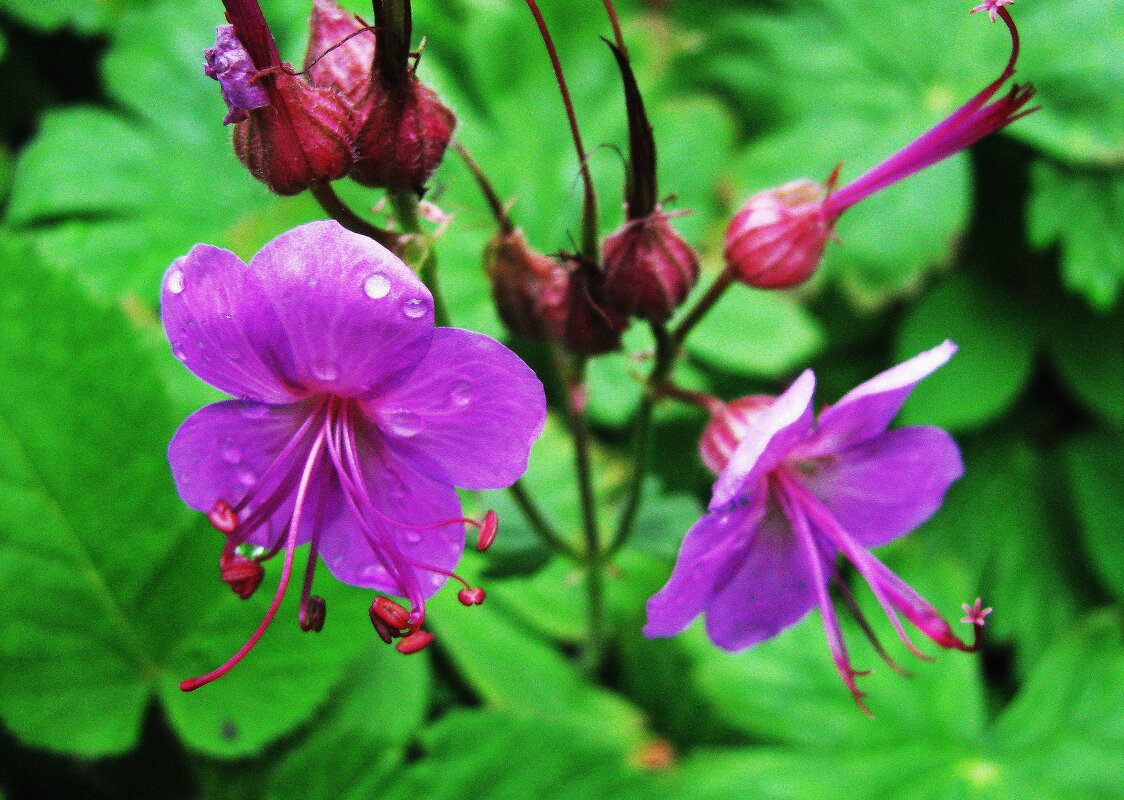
(385, 632)
(418, 640)
(488, 528)
(312, 615)
(473, 596)
(223, 517)
(394, 615)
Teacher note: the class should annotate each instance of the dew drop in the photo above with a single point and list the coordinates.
(255, 410)
(404, 423)
(325, 370)
(247, 478)
(413, 537)
(177, 351)
(375, 571)
(230, 452)
(377, 286)
(462, 392)
(175, 281)
(414, 308)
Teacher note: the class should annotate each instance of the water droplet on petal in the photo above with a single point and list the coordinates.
(230, 452)
(175, 281)
(414, 308)
(252, 410)
(247, 478)
(375, 571)
(413, 537)
(462, 392)
(177, 351)
(404, 423)
(325, 370)
(377, 286)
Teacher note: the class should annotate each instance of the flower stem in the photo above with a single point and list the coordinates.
(338, 210)
(405, 205)
(540, 523)
(712, 295)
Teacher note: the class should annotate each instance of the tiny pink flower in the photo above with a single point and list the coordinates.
(355, 420)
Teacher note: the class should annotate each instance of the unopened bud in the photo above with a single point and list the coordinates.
(649, 269)
(583, 323)
(776, 240)
(728, 425)
(524, 283)
(401, 136)
(340, 52)
(313, 613)
(418, 640)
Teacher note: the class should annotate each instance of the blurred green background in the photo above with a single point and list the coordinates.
(113, 162)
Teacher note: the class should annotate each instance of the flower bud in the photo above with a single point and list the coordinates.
(649, 269)
(341, 54)
(583, 323)
(402, 135)
(300, 138)
(524, 284)
(288, 134)
(728, 425)
(776, 240)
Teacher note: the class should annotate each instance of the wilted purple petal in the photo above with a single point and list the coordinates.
(229, 64)
(354, 318)
(886, 486)
(866, 410)
(711, 554)
(223, 451)
(768, 442)
(467, 415)
(218, 321)
(771, 590)
(403, 501)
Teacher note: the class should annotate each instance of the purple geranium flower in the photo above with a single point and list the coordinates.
(355, 420)
(795, 493)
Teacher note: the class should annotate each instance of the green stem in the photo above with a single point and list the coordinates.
(572, 374)
(338, 210)
(405, 205)
(667, 349)
(540, 523)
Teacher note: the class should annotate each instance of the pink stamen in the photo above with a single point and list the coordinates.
(418, 640)
(290, 547)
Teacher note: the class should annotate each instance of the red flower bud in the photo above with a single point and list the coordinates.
(402, 135)
(649, 269)
(300, 138)
(582, 322)
(727, 426)
(777, 238)
(340, 56)
(524, 283)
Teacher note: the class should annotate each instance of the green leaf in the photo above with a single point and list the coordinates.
(89, 516)
(496, 755)
(1092, 462)
(350, 750)
(1083, 213)
(84, 17)
(1081, 116)
(1088, 351)
(757, 333)
(997, 339)
(510, 670)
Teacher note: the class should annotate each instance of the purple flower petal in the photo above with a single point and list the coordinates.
(229, 64)
(886, 486)
(467, 415)
(866, 410)
(772, 589)
(777, 431)
(217, 319)
(223, 450)
(354, 317)
(403, 501)
(711, 554)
